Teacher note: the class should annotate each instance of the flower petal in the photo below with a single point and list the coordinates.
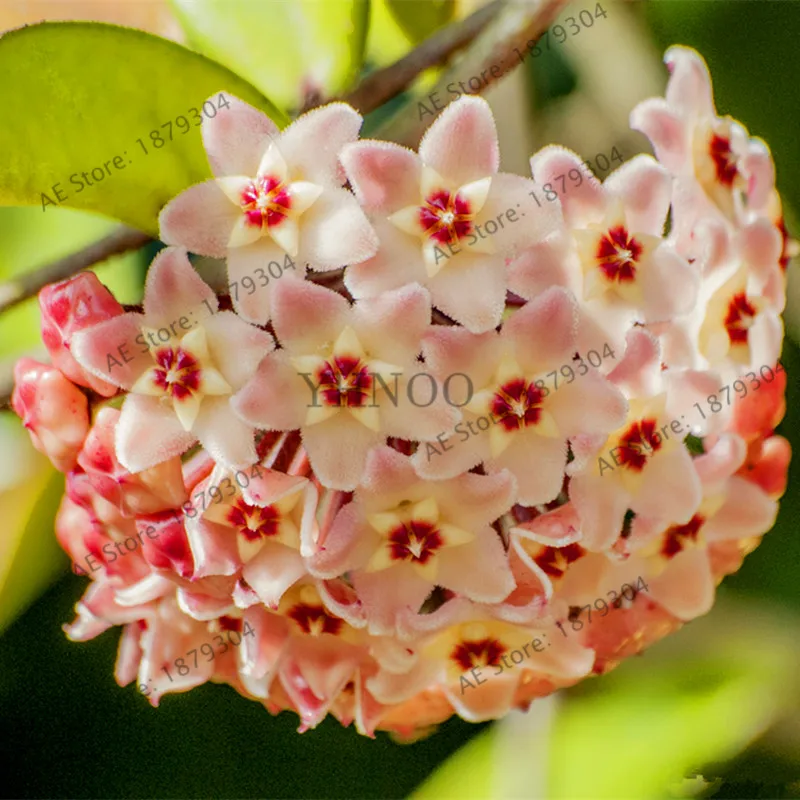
(335, 232)
(236, 139)
(384, 176)
(200, 219)
(164, 439)
(110, 351)
(473, 293)
(225, 435)
(174, 289)
(461, 145)
(645, 189)
(236, 348)
(312, 143)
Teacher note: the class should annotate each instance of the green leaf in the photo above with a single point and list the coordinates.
(290, 50)
(467, 773)
(30, 490)
(420, 18)
(701, 696)
(77, 95)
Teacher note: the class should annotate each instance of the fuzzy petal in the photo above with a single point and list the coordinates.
(275, 398)
(200, 219)
(228, 438)
(461, 145)
(237, 138)
(645, 187)
(235, 347)
(473, 293)
(174, 289)
(385, 177)
(164, 437)
(335, 232)
(312, 143)
(686, 587)
(582, 201)
(110, 351)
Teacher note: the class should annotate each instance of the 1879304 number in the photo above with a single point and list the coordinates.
(182, 123)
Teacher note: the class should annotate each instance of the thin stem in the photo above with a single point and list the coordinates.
(121, 240)
(384, 84)
(489, 58)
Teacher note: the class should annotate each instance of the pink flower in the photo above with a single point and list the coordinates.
(520, 418)
(714, 153)
(643, 464)
(612, 254)
(525, 442)
(402, 536)
(190, 359)
(470, 660)
(54, 411)
(446, 218)
(68, 307)
(310, 652)
(277, 197)
(344, 377)
(257, 524)
(676, 562)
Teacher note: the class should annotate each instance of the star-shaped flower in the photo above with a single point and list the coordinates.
(180, 360)
(277, 198)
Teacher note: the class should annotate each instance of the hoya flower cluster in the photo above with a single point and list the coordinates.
(432, 419)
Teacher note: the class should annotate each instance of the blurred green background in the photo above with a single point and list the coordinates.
(713, 711)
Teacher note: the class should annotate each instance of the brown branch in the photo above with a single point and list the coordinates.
(121, 240)
(488, 59)
(384, 84)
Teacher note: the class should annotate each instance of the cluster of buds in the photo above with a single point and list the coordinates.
(291, 464)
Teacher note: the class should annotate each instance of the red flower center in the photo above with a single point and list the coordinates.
(678, 536)
(740, 316)
(314, 619)
(178, 372)
(785, 257)
(344, 382)
(617, 255)
(484, 652)
(517, 404)
(638, 443)
(230, 624)
(415, 541)
(266, 202)
(553, 561)
(445, 217)
(719, 148)
(254, 522)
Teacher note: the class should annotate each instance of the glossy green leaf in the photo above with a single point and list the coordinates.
(292, 51)
(76, 96)
(420, 18)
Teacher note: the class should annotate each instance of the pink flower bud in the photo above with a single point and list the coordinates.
(155, 489)
(54, 411)
(69, 307)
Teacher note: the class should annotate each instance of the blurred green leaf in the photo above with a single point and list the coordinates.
(420, 18)
(76, 95)
(30, 490)
(387, 41)
(700, 699)
(465, 774)
(289, 50)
